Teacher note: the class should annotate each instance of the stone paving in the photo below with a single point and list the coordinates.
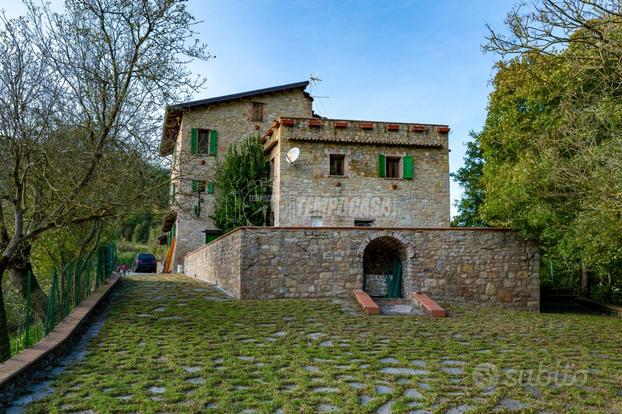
(174, 344)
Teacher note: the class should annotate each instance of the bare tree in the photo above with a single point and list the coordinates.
(549, 26)
(80, 95)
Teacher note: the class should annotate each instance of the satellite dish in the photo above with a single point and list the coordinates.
(292, 155)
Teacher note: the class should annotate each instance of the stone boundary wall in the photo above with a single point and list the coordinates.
(218, 262)
(472, 265)
(19, 370)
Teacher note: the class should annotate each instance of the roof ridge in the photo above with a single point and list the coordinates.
(239, 95)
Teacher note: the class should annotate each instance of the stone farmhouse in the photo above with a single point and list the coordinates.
(365, 205)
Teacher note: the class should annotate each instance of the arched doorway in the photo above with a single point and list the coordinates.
(384, 260)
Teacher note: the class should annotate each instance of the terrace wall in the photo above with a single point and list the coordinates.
(481, 266)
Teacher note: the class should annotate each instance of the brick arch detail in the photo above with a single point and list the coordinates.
(408, 246)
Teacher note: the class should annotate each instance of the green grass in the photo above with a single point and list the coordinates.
(17, 342)
(301, 356)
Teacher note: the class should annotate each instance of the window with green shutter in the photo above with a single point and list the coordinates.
(204, 141)
(210, 188)
(407, 168)
(198, 186)
(381, 165)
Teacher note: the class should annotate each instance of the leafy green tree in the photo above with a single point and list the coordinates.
(243, 188)
(469, 178)
(137, 233)
(551, 143)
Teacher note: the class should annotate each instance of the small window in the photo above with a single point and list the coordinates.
(257, 111)
(393, 167)
(337, 164)
(316, 221)
(198, 186)
(363, 223)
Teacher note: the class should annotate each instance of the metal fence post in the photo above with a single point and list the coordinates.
(51, 316)
(27, 321)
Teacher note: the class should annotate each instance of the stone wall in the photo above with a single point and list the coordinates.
(481, 266)
(218, 262)
(306, 191)
(232, 121)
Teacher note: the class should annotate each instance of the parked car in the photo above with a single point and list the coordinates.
(145, 262)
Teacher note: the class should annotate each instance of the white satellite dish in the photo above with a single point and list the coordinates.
(292, 155)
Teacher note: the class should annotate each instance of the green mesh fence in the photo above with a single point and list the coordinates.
(68, 287)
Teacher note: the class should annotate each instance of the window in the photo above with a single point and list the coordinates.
(316, 221)
(393, 167)
(211, 235)
(204, 141)
(337, 164)
(257, 111)
(198, 186)
(363, 223)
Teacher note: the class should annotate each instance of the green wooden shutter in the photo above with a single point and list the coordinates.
(381, 166)
(213, 142)
(194, 141)
(195, 186)
(407, 167)
(210, 188)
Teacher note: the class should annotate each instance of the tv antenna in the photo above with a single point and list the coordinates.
(315, 80)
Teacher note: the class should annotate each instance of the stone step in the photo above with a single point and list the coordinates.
(426, 304)
(399, 306)
(367, 303)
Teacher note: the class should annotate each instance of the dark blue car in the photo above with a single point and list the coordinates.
(145, 262)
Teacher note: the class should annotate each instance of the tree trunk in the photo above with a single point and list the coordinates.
(585, 281)
(18, 272)
(5, 342)
(609, 287)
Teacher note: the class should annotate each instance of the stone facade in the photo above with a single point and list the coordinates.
(233, 121)
(306, 194)
(480, 266)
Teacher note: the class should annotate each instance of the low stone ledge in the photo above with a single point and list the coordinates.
(19, 370)
(367, 303)
(426, 304)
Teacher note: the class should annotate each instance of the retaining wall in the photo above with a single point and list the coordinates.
(481, 266)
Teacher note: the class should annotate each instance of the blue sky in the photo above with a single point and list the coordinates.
(398, 60)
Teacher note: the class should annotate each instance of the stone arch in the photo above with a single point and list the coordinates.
(377, 254)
